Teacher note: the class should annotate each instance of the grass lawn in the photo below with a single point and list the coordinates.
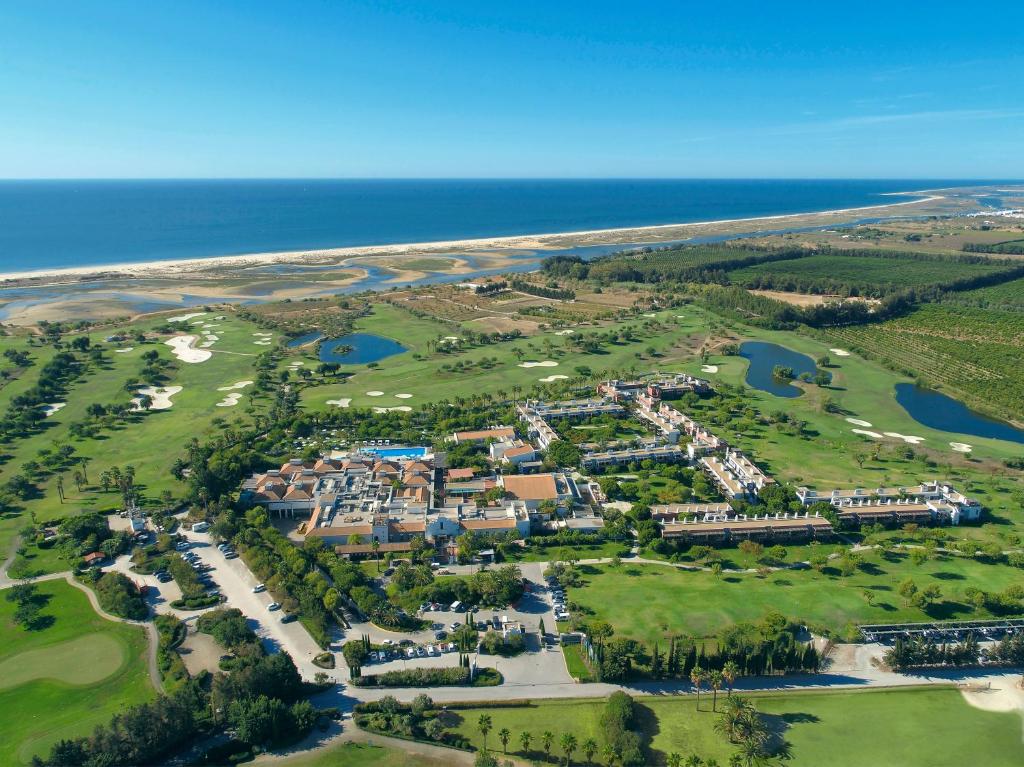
(564, 553)
(697, 603)
(359, 755)
(933, 727)
(62, 680)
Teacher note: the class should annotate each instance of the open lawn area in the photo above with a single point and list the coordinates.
(910, 728)
(678, 602)
(358, 755)
(64, 677)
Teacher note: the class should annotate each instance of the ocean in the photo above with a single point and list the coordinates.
(52, 224)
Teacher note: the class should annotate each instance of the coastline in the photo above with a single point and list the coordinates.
(623, 235)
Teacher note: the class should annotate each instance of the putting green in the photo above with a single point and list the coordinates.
(85, 660)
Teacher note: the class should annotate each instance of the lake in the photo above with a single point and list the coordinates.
(308, 338)
(366, 347)
(938, 411)
(764, 357)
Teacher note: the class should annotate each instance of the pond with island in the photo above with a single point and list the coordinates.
(359, 349)
(766, 357)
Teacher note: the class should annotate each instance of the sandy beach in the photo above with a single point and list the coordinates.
(643, 234)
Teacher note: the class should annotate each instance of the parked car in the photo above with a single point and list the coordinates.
(454, 626)
(259, 588)
(274, 606)
(388, 642)
(421, 652)
(431, 650)
(410, 653)
(440, 634)
(288, 618)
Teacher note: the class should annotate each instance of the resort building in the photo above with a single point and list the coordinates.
(719, 523)
(735, 474)
(655, 452)
(534, 489)
(927, 502)
(499, 433)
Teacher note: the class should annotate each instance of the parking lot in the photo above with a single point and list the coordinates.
(236, 583)
(539, 665)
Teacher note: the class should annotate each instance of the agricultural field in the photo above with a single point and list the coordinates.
(1007, 296)
(872, 276)
(701, 603)
(63, 678)
(912, 728)
(974, 354)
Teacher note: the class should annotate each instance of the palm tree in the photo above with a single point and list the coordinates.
(610, 754)
(694, 761)
(589, 749)
(484, 724)
(569, 745)
(729, 673)
(546, 739)
(715, 680)
(524, 741)
(376, 552)
(504, 734)
(697, 677)
(675, 760)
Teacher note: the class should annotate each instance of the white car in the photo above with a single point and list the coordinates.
(259, 588)
(388, 642)
(410, 653)
(431, 650)
(273, 606)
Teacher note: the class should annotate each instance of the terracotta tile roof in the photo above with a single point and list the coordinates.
(407, 527)
(415, 481)
(483, 434)
(532, 487)
(367, 548)
(296, 494)
(524, 450)
(461, 473)
(341, 531)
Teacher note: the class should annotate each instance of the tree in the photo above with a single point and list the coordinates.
(547, 738)
(697, 677)
(375, 545)
(504, 735)
(524, 741)
(715, 680)
(675, 760)
(589, 749)
(569, 745)
(484, 725)
(729, 673)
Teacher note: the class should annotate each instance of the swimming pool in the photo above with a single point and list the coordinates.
(395, 452)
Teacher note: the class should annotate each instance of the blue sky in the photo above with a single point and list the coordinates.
(552, 89)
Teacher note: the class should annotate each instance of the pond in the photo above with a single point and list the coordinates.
(365, 347)
(938, 411)
(764, 357)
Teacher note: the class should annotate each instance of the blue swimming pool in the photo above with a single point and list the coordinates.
(395, 452)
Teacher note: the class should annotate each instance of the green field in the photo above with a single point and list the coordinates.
(359, 755)
(930, 728)
(62, 680)
(698, 603)
(424, 379)
(151, 441)
(834, 271)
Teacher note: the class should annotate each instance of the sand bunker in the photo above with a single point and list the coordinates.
(859, 422)
(183, 349)
(206, 344)
(564, 332)
(160, 395)
(709, 368)
(185, 317)
(872, 434)
(262, 343)
(230, 400)
(542, 364)
(264, 335)
(211, 337)
(840, 352)
(550, 379)
(343, 402)
(451, 338)
(238, 385)
(400, 408)
(125, 350)
(998, 692)
(961, 447)
(374, 393)
(404, 396)
(650, 314)
(905, 437)
(52, 408)
(296, 364)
